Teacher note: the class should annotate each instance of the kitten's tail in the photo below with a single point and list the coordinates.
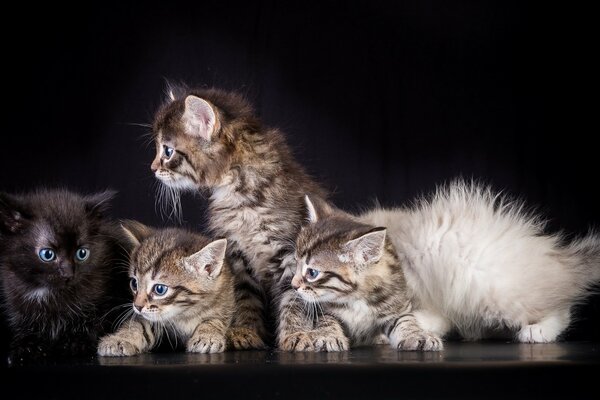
(585, 256)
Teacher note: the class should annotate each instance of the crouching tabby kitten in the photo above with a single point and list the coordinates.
(182, 287)
(349, 272)
(62, 270)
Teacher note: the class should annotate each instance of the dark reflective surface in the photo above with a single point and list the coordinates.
(479, 353)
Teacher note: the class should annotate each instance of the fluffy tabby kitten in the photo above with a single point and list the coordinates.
(182, 286)
(477, 264)
(210, 140)
(60, 264)
(348, 271)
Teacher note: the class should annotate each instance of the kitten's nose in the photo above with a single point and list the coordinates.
(65, 270)
(155, 165)
(296, 282)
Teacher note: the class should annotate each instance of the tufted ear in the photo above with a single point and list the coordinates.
(97, 204)
(13, 214)
(316, 209)
(366, 249)
(135, 231)
(198, 118)
(208, 261)
(174, 91)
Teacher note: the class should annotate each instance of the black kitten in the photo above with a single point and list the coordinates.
(62, 271)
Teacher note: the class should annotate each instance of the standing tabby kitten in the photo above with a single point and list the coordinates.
(210, 140)
(349, 272)
(60, 265)
(182, 286)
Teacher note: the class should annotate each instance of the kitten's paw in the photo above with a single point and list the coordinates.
(313, 341)
(241, 338)
(420, 341)
(207, 343)
(113, 346)
(534, 334)
(381, 340)
(299, 341)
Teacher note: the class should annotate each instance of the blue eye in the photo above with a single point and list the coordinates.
(133, 284)
(312, 273)
(168, 151)
(47, 255)
(82, 254)
(160, 290)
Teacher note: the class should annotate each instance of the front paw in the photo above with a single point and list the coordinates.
(313, 341)
(114, 346)
(420, 341)
(207, 343)
(244, 339)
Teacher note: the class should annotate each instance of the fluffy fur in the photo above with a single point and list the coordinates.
(197, 305)
(61, 305)
(348, 273)
(480, 264)
(210, 141)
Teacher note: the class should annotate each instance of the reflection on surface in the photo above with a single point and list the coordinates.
(481, 353)
(183, 358)
(338, 357)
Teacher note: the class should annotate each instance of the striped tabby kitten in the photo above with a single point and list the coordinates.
(349, 272)
(210, 140)
(182, 286)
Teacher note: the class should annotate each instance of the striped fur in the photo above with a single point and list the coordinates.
(256, 191)
(348, 271)
(197, 308)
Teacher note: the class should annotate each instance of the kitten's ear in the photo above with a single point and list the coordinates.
(13, 215)
(135, 231)
(316, 208)
(97, 204)
(209, 260)
(173, 91)
(199, 118)
(366, 249)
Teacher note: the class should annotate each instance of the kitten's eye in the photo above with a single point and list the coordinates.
(311, 274)
(160, 290)
(168, 151)
(47, 255)
(82, 254)
(133, 284)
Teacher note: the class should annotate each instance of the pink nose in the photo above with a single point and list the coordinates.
(155, 165)
(296, 282)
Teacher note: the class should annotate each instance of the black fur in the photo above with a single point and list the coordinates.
(76, 301)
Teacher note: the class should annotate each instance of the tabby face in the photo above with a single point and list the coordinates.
(158, 298)
(322, 277)
(332, 252)
(169, 276)
(190, 151)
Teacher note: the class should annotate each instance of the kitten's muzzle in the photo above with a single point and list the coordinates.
(296, 282)
(66, 270)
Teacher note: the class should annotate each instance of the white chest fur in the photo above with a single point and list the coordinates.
(359, 318)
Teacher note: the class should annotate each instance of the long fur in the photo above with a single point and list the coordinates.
(477, 262)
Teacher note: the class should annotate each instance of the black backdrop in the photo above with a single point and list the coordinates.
(379, 100)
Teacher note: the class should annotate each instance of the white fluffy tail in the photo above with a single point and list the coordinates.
(585, 256)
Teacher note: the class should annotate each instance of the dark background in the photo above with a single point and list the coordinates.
(379, 100)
